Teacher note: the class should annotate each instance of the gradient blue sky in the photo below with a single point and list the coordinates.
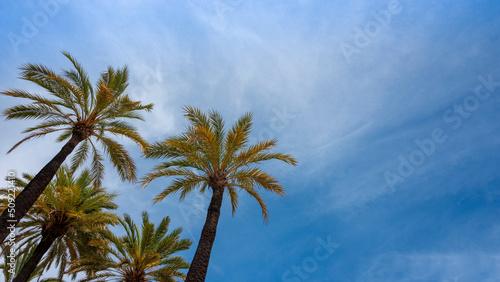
(348, 87)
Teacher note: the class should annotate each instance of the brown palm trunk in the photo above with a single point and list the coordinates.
(198, 269)
(32, 263)
(35, 187)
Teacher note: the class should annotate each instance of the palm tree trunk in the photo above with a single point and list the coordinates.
(35, 187)
(198, 269)
(32, 263)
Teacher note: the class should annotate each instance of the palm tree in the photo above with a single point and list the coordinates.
(140, 255)
(81, 114)
(205, 155)
(69, 220)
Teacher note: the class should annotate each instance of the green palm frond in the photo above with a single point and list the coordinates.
(81, 155)
(97, 166)
(119, 157)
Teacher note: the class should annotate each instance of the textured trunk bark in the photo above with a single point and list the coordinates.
(198, 269)
(35, 187)
(30, 266)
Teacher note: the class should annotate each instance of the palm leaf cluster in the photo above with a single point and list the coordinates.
(76, 108)
(72, 213)
(145, 254)
(205, 155)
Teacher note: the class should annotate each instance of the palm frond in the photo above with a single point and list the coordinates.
(41, 133)
(119, 157)
(233, 195)
(97, 166)
(81, 155)
(80, 77)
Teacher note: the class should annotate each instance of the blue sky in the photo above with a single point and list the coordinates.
(391, 108)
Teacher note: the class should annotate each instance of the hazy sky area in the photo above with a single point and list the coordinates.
(390, 107)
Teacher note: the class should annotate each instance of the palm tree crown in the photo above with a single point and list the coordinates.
(76, 108)
(70, 218)
(206, 156)
(139, 255)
